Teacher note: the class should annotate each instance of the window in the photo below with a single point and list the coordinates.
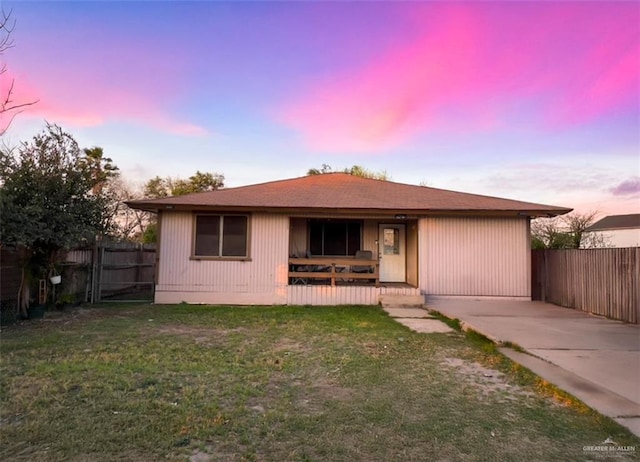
(334, 238)
(221, 236)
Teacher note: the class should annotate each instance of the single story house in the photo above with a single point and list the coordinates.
(617, 230)
(340, 239)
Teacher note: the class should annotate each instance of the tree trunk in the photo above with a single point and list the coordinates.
(24, 294)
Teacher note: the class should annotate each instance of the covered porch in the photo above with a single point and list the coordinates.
(348, 251)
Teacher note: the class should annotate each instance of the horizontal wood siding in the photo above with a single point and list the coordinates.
(474, 256)
(262, 280)
(599, 281)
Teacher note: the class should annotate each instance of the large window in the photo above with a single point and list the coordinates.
(334, 238)
(221, 236)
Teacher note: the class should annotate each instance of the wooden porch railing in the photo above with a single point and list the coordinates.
(303, 269)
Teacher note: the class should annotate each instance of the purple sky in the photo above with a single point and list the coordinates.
(534, 101)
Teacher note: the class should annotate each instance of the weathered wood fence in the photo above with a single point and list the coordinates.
(605, 282)
(10, 278)
(118, 271)
(105, 272)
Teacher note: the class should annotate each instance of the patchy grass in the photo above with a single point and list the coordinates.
(146, 383)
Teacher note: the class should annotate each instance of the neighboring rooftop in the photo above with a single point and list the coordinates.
(347, 193)
(616, 222)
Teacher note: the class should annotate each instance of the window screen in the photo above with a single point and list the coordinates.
(221, 236)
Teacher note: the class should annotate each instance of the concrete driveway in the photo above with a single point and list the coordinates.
(595, 359)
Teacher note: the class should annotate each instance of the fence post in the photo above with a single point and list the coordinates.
(140, 261)
(94, 263)
(545, 275)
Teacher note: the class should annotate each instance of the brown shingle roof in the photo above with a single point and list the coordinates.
(347, 193)
(616, 222)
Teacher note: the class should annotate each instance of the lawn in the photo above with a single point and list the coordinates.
(200, 383)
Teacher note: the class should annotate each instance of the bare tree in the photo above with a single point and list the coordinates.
(128, 224)
(576, 224)
(566, 232)
(9, 108)
(549, 233)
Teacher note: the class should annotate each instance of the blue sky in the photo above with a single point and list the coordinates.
(532, 101)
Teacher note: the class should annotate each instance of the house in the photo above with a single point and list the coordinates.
(616, 231)
(294, 242)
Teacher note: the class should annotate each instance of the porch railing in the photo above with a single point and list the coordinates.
(304, 270)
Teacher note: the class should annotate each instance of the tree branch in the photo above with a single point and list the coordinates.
(8, 106)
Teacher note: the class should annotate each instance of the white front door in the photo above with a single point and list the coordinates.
(392, 253)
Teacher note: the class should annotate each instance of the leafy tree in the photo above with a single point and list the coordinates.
(159, 187)
(326, 168)
(8, 107)
(356, 170)
(100, 168)
(199, 182)
(49, 201)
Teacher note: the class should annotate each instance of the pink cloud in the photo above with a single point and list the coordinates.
(97, 106)
(478, 67)
(121, 83)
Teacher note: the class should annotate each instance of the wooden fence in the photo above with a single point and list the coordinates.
(10, 278)
(106, 272)
(118, 271)
(599, 281)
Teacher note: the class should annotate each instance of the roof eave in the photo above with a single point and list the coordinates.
(155, 207)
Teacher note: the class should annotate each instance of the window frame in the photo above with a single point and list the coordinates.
(346, 223)
(220, 257)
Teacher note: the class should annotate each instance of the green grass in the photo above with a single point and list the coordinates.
(145, 383)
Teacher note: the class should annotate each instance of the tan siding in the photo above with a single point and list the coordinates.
(412, 253)
(370, 236)
(475, 256)
(264, 277)
(298, 241)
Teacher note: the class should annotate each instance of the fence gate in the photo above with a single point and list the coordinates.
(123, 272)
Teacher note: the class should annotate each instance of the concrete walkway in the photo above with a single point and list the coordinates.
(409, 311)
(594, 359)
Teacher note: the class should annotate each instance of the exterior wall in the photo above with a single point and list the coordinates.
(346, 295)
(456, 256)
(619, 237)
(260, 281)
(412, 253)
(475, 256)
(370, 237)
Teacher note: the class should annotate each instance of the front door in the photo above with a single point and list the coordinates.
(392, 253)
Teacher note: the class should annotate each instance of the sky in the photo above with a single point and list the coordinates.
(534, 101)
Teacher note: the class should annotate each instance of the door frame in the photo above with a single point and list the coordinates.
(402, 227)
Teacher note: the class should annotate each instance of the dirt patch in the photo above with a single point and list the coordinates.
(309, 395)
(286, 345)
(489, 382)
